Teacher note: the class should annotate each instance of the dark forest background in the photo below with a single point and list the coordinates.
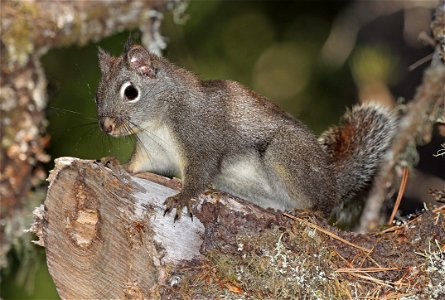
(277, 48)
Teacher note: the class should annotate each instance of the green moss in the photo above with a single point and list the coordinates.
(225, 266)
(280, 265)
(19, 36)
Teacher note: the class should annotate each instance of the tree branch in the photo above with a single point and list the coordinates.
(422, 113)
(426, 107)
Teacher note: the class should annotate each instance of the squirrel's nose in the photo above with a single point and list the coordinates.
(107, 124)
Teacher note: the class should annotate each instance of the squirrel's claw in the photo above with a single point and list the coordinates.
(177, 216)
(177, 202)
(166, 211)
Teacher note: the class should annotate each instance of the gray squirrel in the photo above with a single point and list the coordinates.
(220, 133)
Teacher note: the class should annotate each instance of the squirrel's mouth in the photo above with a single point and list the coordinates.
(119, 131)
(116, 127)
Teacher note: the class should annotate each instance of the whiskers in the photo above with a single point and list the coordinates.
(61, 120)
(62, 111)
(74, 133)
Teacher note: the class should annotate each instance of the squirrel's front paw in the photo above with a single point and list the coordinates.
(114, 165)
(109, 162)
(179, 202)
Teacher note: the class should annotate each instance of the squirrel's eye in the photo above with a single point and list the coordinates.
(130, 92)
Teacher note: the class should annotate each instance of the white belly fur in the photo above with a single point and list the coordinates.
(244, 176)
(161, 150)
(247, 177)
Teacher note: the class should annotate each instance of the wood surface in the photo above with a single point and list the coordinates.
(106, 237)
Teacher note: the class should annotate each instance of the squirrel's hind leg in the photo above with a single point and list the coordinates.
(300, 167)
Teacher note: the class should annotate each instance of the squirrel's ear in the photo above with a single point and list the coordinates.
(140, 60)
(105, 61)
(129, 43)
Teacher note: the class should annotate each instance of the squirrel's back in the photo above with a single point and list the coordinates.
(356, 147)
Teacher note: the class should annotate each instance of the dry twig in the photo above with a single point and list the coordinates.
(400, 194)
(332, 235)
(365, 270)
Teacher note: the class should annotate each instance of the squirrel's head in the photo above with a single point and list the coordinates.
(132, 90)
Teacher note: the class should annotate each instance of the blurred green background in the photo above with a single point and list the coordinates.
(273, 47)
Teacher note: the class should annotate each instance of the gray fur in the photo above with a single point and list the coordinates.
(221, 133)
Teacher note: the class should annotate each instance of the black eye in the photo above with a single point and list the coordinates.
(131, 92)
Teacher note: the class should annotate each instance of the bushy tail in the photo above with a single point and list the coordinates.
(356, 147)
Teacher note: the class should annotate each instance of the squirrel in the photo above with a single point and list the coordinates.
(219, 133)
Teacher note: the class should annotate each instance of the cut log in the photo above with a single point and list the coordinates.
(105, 232)
(106, 236)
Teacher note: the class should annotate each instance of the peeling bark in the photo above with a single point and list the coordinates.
(106, 236)
(108, 229)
